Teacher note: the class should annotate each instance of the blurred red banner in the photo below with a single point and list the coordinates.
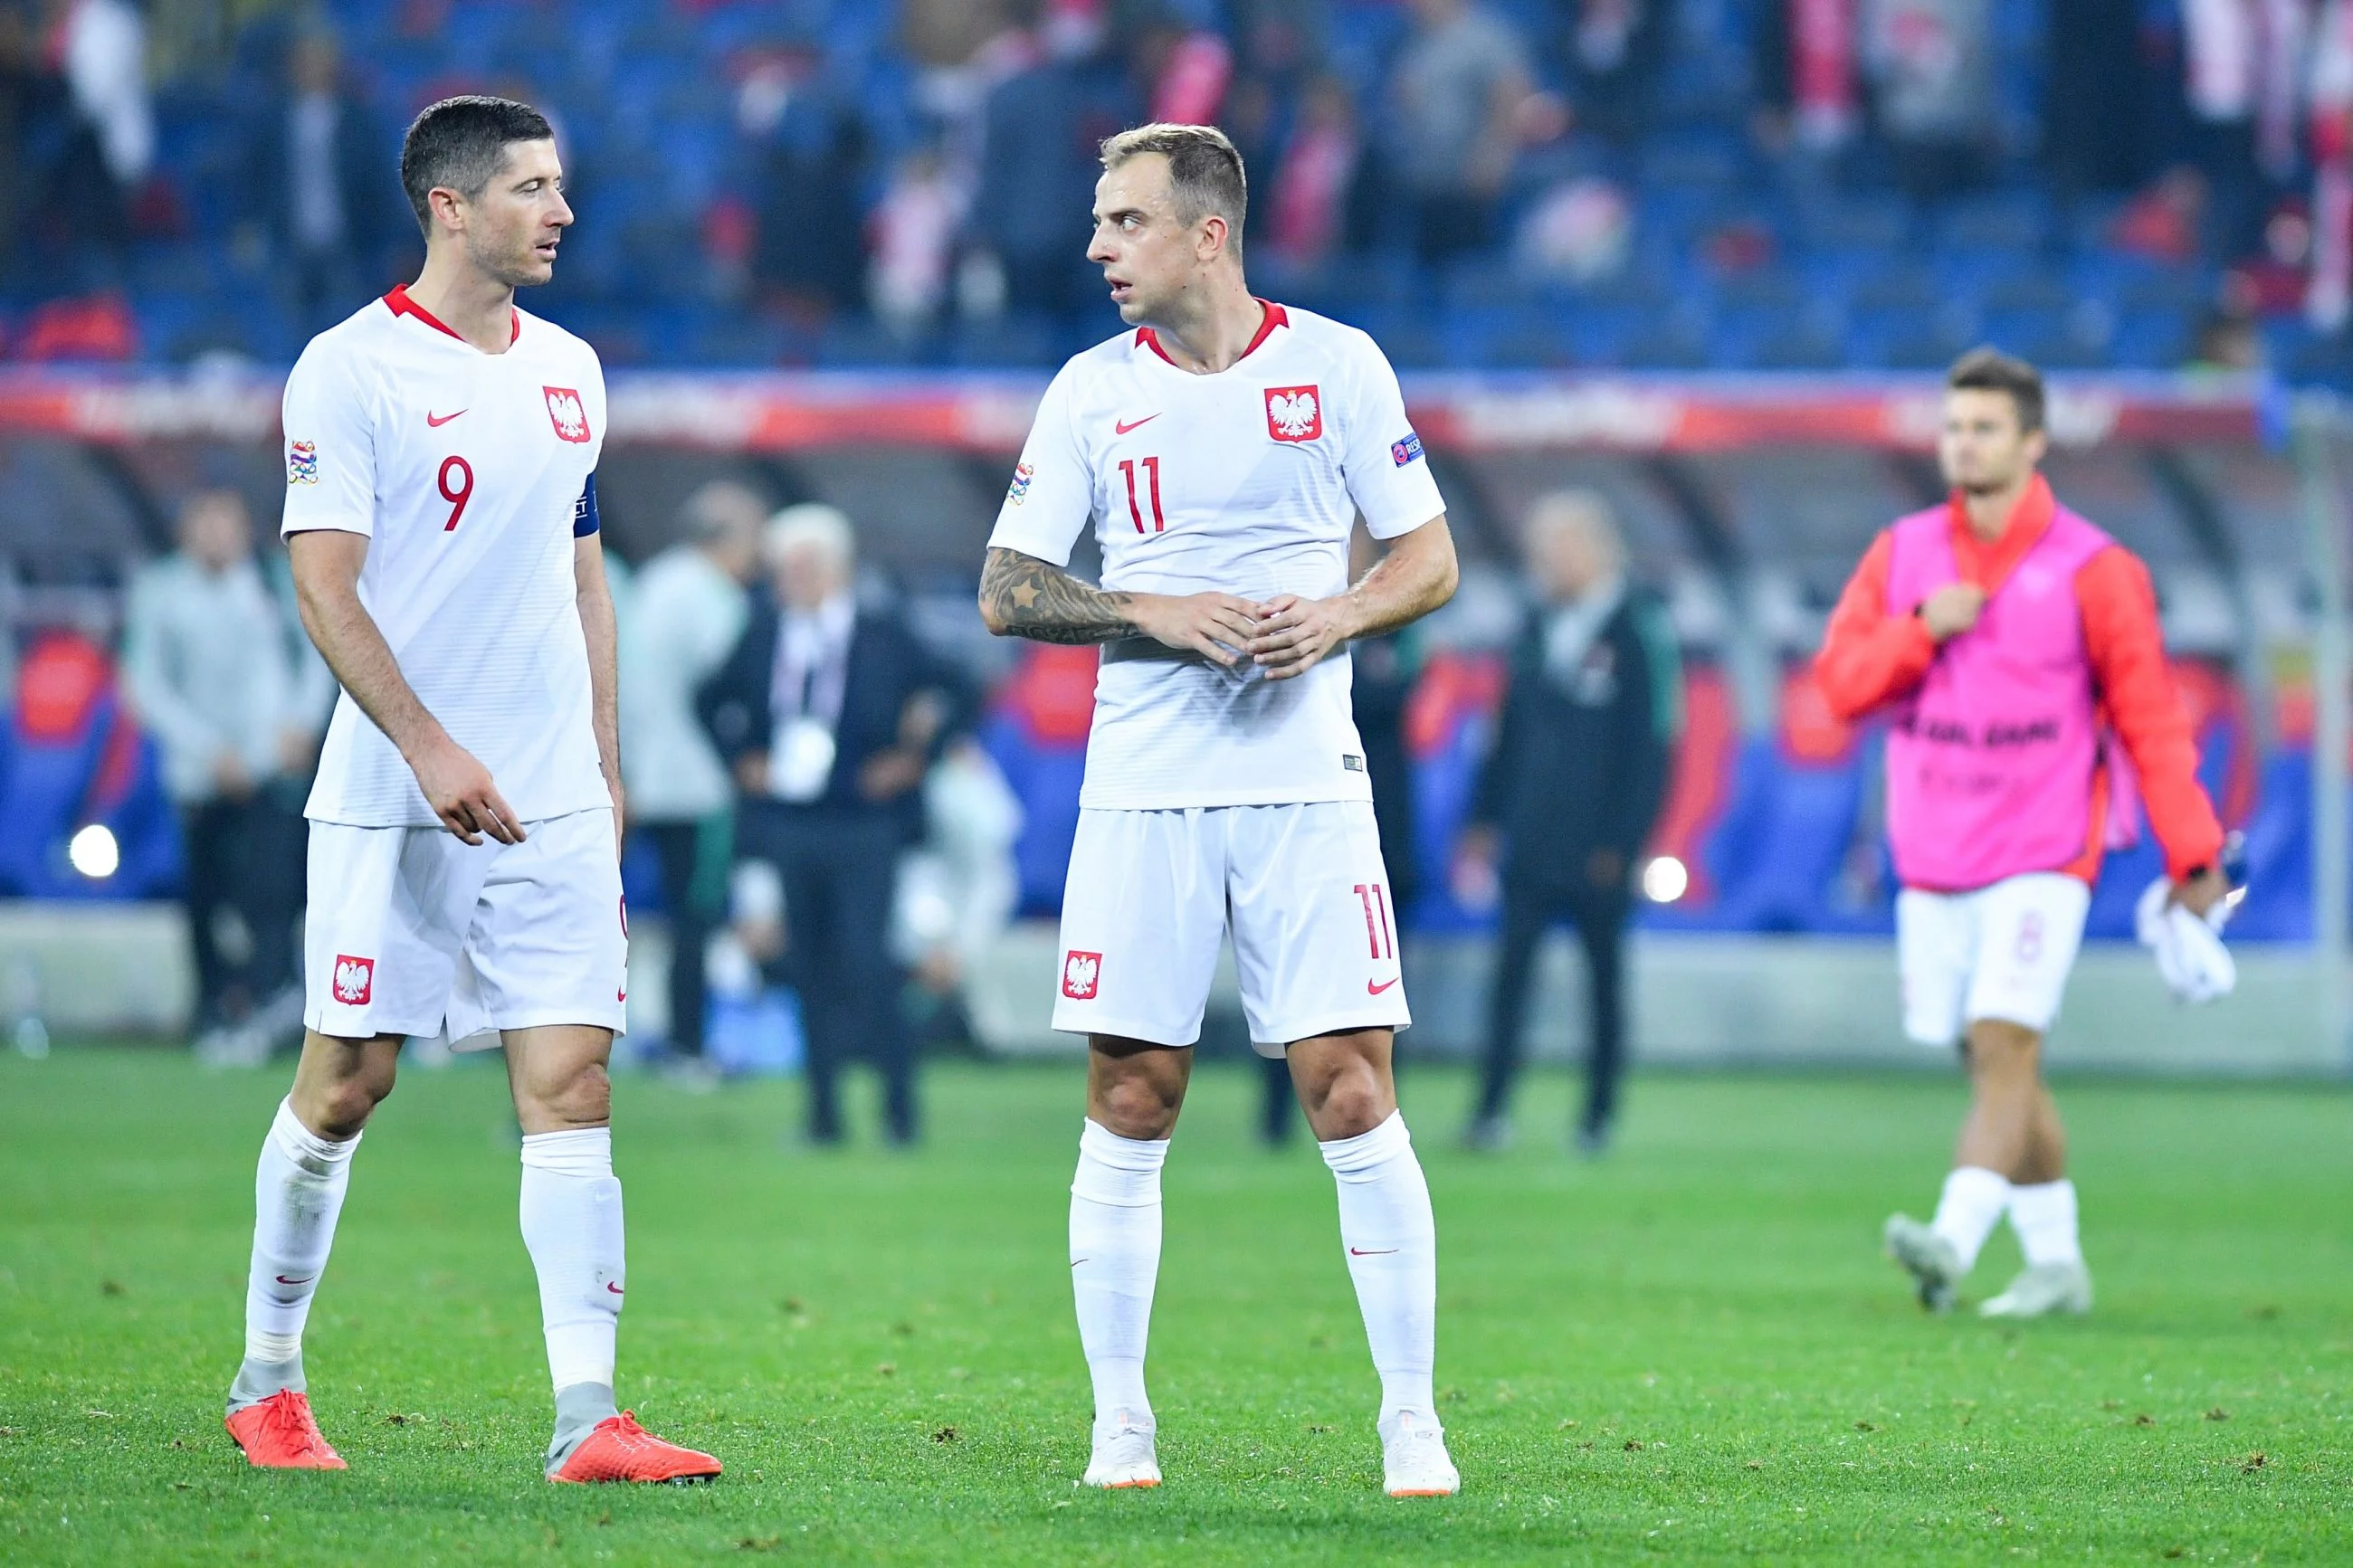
(788, 411)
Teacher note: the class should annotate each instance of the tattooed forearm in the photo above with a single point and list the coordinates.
(1023, 597)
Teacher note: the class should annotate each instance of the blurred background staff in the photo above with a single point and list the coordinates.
(830, 713)
(206, 663)
(1571, 791)
(687, 612)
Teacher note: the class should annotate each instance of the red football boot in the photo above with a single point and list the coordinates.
(621, 1451)
(280, 1434)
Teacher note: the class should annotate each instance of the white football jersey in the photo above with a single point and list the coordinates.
(469, 473)
(1244, 482)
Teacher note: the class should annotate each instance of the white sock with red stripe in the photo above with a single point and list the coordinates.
(1391, 1238)
(297, 1194)
(572, 1225)
(1114, 1264)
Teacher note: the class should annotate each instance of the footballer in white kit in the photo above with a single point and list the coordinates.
(1222, 452)
(441, 449)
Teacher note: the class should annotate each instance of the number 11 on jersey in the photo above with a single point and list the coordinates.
(1377, 909)
(1152, 473)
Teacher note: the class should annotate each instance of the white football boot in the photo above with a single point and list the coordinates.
(1414, 1461)
(1934, 1265)
(2043, 1289)
(1122, 1457)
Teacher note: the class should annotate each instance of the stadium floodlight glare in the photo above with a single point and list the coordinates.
(94, 853)
(1664, 879)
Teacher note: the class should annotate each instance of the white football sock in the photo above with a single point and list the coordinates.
(1392, 1244)
(1114, 1263)
(298, 1192)
(2043, 1214)
(571, 1224)
(1972, 1204)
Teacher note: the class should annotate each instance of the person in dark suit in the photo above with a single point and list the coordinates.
(828, 713)
(1571, 790)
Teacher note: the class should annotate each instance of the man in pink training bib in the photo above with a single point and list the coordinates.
(2016, 651)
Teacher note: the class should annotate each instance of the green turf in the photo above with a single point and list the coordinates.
(1690, 1351)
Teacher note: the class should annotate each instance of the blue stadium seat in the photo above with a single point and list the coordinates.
(101, 772)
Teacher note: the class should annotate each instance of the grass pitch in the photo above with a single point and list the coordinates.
(1690, 1352)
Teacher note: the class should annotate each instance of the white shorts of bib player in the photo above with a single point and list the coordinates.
(2002, 951)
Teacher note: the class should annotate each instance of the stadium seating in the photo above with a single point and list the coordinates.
(73, 759)
(643, 92)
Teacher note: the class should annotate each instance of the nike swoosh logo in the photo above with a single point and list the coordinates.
(1371, 1252)
(439, 420)
(1122, 428)
(1373, 990)
(616, 1289)
(304, 1280)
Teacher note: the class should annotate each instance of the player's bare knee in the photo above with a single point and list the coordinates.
(1138, 1105)
(340, 1109)
(581, 1097)
(1353, 1106)
(2002, 1051)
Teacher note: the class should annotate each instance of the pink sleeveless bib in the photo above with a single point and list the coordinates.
(1991, 762)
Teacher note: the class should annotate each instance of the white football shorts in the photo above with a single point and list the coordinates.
(1302, 887)
(409, 930)
(2002, 951)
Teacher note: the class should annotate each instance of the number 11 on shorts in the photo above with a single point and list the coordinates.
(1376, 919)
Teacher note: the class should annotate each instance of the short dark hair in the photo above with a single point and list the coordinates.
(1203, 167)
(1990, 370)
(460, 143)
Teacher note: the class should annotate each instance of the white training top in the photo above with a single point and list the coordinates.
(1244, 482)
(469, 473)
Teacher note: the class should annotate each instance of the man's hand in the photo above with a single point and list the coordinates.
(1606, 869)
(2202, 891)
(1217, 626)
(230, 776)
(460, 790)
(890, 773)
(298, 751)
(1295, 634)
(1475, 882)
(752, 772)
(1952, 610)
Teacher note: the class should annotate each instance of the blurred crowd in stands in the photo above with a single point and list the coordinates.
(1652, 184)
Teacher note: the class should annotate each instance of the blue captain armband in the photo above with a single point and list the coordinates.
(584, 510)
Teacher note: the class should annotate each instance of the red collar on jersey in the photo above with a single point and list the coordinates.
(1276, 316)
(402, 305)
